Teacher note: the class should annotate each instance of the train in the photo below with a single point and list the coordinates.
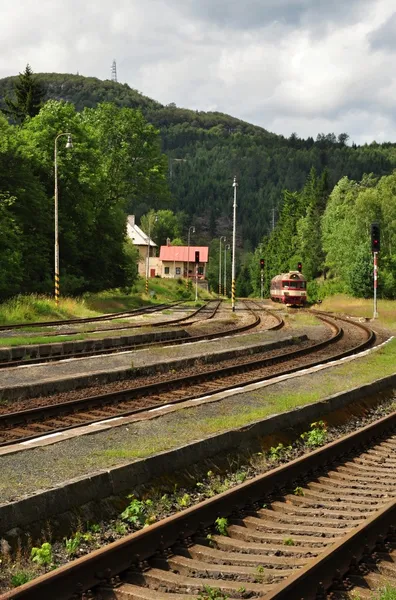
(289, 288)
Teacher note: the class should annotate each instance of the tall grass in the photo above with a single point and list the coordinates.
(26, 309)
(360, 307)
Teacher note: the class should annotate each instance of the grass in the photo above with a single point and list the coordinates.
(30, 308)
(278, 399)
(360, 307)
(25, 309)
(26, 341)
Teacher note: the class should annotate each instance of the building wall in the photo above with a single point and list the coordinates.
(174, 269)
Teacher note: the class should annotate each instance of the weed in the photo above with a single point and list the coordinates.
(184, 501)
(72, 544)
(139, 512)
(94, 528)
(316, 436)
(288, 542)
(240, 476)
(387, 593)
(120, 528)
(222, 525)
(20, 577)
(42, 556)
(135, 513)
(212, 594)
(298, 491)
(279, 451)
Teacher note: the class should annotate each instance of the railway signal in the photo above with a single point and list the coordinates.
(375, 247)
(299, 267)
(375, 237)
(262, 277)
(196, 274)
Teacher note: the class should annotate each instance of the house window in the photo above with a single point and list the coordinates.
(200, 270)
(178, 270)
(166, 270)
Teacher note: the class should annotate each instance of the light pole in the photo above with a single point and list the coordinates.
(190, 230)
(234, 185)
(222, 237)
(69, 144)
(227, 247)
(148, 251)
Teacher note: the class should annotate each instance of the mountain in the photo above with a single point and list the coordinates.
(206, 150)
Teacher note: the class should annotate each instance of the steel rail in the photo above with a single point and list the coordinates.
(8, 364)
(106, 317)
(317, 577)
(94, 402)
(72, 580)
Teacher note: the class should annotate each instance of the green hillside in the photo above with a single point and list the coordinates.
(283, 182)
(207, 149)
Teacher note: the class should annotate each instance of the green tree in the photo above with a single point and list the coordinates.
(11, 266)
(29, 95)
(132, 165)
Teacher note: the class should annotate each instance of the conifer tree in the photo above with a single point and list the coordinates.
(29, 96)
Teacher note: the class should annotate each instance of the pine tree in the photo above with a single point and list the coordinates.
(29, 96)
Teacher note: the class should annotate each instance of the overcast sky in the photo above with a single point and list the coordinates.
(304, 66)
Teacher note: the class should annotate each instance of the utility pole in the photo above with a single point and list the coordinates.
(190, 229)
(226, 247)
(375, 247)
(148, 251)
(69, 144)
(234, 185)
(222, 237)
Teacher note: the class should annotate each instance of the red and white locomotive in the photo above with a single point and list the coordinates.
(289, 288)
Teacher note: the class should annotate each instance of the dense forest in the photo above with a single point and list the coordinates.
(290, 195)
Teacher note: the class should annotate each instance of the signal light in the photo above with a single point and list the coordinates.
(299, 267)
(375, 237)
(196, 257)
(261, 263)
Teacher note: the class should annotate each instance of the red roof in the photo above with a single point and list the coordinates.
(179, 253)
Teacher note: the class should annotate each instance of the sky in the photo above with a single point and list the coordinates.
(290, 66)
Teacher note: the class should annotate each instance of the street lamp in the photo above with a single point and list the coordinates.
(190, 229)
(227, 247)
(148, 251)
(69, 144)
(234, 185)
(222, 237)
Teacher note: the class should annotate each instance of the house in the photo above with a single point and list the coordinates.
(141, 241)
(174, 261)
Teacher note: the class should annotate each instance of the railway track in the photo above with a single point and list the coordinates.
(106, 317)
(58, 354)
(289, 534)
(54, 418)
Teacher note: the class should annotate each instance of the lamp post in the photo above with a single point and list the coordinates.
(148, 251)
(234, 185)
(69, 144)
(227, 247)
(222, 237)
(190, 229)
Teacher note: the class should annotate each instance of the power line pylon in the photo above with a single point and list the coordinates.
(114, 71)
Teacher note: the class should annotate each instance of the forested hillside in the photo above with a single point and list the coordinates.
(134, 155)
(205, 151)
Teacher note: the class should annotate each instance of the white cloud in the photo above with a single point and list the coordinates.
(287, 65)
